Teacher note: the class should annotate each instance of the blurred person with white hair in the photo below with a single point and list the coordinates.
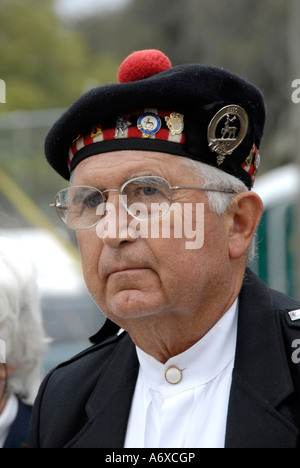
(23, 340)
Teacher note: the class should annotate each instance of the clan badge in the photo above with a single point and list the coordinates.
(96, 131)
(149, 124)
(121, 126)
(252, 163)
(227, 130)
(175, 123)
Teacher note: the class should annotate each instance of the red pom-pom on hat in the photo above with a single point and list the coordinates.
(142, 64)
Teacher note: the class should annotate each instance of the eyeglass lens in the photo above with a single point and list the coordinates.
(144, 198)
(147, 198)
(77, 206)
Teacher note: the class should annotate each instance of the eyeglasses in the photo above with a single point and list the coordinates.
(144, 198)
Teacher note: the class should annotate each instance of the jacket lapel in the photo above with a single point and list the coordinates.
(261, 377)
(109, 406)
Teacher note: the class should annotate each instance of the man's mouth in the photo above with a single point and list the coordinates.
(126, 269)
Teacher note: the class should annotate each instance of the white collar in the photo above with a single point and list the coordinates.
(199, 364)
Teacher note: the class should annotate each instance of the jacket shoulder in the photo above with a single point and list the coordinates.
(81, 366)
(280, 301)
(289, 311)
(283, 302)
(67, 388)
(103, 343)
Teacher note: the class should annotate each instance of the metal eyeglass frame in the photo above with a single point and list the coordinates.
(137, 179)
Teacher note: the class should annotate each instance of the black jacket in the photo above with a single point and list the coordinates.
(85, 402)
(18, 434)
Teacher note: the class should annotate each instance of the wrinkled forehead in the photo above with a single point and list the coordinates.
(116, 167)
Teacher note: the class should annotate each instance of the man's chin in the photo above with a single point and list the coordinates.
(131, 305)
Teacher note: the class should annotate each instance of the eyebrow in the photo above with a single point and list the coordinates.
(131, 176)
(143, 174)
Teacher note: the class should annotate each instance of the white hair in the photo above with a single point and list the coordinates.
(212, 177)
(21, 326)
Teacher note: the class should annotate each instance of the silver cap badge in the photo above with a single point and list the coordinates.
(227, 130)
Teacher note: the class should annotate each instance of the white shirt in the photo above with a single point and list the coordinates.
(7, 418)
(192, 413)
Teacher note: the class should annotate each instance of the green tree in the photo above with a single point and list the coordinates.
(44, 62)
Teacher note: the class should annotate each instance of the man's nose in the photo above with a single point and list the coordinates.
(114, 226)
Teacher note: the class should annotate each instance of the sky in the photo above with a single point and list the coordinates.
(73, 8)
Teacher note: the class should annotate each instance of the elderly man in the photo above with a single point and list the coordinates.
(196, 351)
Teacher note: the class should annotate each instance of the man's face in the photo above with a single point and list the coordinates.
(134, 278)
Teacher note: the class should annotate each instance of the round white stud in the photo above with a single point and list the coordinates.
(173, 375)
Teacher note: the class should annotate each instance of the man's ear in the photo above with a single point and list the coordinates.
(245, 217)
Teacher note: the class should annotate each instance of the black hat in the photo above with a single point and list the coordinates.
(200, 112)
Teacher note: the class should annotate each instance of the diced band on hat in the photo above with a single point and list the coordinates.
(161, 131)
